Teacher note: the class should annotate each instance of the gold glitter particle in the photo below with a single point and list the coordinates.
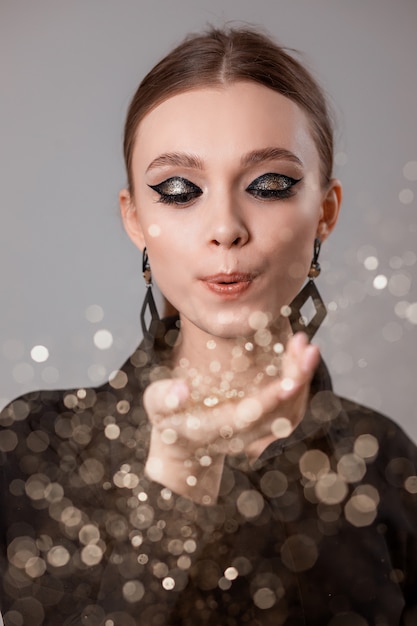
(71, 516)
(406, 196)
(112, 431)
(91, 471)
(399, 284)
(248, 410)
(351, 468)
(35, 567)
(331, 488)
(37, 441)
(299, 553)
(103, 339)
(36, 485)
(410, 484)
(160, 570)
(8, 440)
(193, 422)
(123, 407)
(142, 517)
(231, 573)
(190, 546)
(314, 464)
(118, 379)
(361, 509)
(224, 584)
(371, 263)
(154, 230)
(263, 337)
(39, 354)
(264, 598)
(89, 534)
(258, 320)
(281, 427)
(169, 436)
(58, 556)
(168, 583)
(215, 366)
(366, 446)
(143, 559)
(411, 313)
(94, 313)
(250, 503)
(380, 282)
(274, 483)
(175, 547)
(91, 555)
(271, 370)
(70, 400)
(20, 550)
(136, 540)
(54, 492)
(287, 384)
(133, 591)
(410, 170)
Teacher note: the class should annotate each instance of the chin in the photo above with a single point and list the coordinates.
(233, 325)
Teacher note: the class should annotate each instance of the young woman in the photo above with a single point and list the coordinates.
(216, 479)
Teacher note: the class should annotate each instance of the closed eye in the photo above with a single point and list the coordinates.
(176, 190)
(272, 186)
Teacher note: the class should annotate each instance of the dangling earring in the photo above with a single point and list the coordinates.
(297, 320)
(149, 302)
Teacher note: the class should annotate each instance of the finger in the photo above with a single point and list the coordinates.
(299, 363)
(163, 397)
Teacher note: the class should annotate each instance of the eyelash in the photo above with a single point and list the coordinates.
(182, 198)
(259, 188)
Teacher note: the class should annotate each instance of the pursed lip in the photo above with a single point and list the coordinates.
(232, 284)
(224, 278)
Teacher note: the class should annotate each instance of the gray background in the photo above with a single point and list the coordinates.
(68, 70)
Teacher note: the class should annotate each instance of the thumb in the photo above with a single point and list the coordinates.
(164, 397)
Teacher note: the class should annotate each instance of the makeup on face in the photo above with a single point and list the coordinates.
(232, 191)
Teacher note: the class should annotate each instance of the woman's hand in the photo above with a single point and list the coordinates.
(189, 441)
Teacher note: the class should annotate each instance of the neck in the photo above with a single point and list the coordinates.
(229, 366)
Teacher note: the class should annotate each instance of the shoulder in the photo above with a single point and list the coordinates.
(381, 442)
(42, 409)
(366, 420)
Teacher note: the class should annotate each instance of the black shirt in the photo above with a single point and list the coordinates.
(321, 531)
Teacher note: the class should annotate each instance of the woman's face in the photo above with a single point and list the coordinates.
(228, 202)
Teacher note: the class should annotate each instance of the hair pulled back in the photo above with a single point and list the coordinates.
(222, 56)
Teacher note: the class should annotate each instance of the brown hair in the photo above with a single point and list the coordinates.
(226, 56)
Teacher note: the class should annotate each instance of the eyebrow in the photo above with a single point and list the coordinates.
(269, 154)
(184, 159)
(181, 159)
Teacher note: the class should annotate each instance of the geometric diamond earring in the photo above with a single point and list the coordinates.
(149, 302)
(309, 292)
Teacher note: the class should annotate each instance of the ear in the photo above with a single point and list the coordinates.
(330, 208)
(130, 219)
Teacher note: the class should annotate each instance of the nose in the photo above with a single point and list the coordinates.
(227, 226)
